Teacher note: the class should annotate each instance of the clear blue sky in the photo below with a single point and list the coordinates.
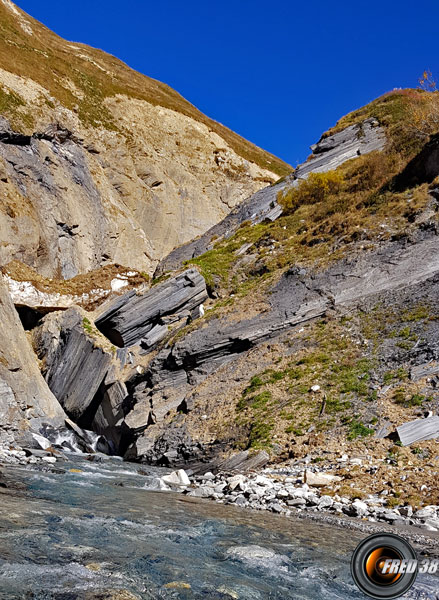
(279, 73)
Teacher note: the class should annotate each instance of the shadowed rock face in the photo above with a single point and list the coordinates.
(422, 169)
(143, 318)
(109, 417)
(329, 153)
(75, 366)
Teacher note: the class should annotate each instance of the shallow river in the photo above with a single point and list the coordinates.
(93, 527)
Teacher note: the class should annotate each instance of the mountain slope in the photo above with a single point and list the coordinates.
(155, 171)
(321, 329)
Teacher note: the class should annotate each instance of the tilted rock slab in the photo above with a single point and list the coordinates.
(134, 318)
(75, 366)
(419, 430)
(333, 150)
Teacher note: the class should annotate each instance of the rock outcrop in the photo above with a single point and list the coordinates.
(74, 365)
(331, 151)
(136, 318)
(24, 395)
(300, 296)
(87, 375)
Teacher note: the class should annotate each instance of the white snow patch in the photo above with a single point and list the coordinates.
(25, 293)
(118, 283)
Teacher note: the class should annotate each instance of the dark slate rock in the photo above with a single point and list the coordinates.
(332, 151)
(74, 365)
(392, 269)
(171, 447)
(423, 168)
(133, 319)
(112, 403)
(109, 417)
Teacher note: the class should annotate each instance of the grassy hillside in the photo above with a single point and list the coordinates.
(360, 359)
(60, 67)
(329, 213)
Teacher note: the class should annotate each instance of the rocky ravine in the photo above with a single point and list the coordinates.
(140, 383)
(314, 357)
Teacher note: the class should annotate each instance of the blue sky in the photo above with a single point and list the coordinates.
(279, 73)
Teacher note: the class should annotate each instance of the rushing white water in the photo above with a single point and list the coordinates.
(67, 439)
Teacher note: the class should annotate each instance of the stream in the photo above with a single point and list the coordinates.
(82, 530)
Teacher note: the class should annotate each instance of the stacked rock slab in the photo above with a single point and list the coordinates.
(143, 319)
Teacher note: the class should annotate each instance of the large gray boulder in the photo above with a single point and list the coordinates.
(74, 365)
(24, 395)
(142, 318)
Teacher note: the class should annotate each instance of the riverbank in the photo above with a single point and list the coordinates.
(94, 527)
(331, 493)
(287, 493)
(300, 491)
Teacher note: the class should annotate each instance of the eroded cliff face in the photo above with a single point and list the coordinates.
(25, 397)
(101, 165)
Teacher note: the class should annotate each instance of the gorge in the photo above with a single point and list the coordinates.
(185, 318)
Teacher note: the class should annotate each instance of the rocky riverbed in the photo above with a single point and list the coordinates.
(292, 490)
(92, 527)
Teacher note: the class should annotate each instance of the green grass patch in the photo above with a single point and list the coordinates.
(87, 326)
(260, 435)
(256, 403)
(358, 429)
(400, 397)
